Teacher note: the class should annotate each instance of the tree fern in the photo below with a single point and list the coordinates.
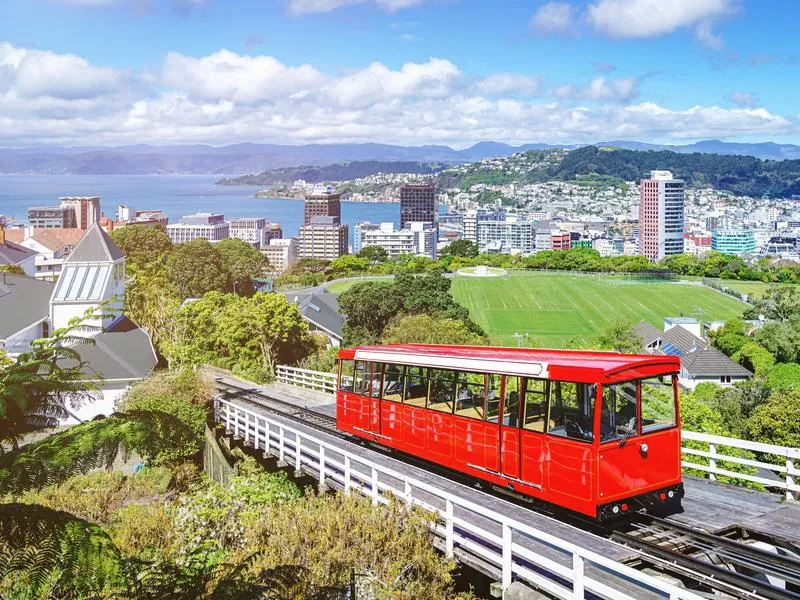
(88, 446)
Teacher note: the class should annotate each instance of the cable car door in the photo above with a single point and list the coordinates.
(374, 390)
(508, 421)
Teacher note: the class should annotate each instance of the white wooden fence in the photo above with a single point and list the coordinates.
(315, 380)
(785, 461)
(514, 549)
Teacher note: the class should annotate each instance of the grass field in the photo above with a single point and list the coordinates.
(553, 308)
(341, 286)
(754, 289)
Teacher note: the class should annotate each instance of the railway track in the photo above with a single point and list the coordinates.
(717, 565)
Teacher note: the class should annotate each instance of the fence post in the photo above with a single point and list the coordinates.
(297, 455)
(448, 524)
(322, 486)
(281, 449)
(577, 576)
(789, 479)
(267, 442)
(507, 558)
(346, 475)
(255, 433)
(246, 428)
(712, 462)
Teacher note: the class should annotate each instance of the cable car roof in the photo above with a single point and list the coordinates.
(575, 365)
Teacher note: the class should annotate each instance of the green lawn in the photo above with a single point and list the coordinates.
(552, 308)
(341, 286)
(754, 289)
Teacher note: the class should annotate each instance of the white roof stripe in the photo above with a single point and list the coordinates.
(491, 365)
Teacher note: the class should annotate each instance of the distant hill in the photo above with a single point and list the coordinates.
(743, 175)
(239, 159)
(338, 172)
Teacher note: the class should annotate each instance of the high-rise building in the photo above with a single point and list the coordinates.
(661, 215)
(324, 238)
(323, 204)
(281, 254)
(733, 241)
(506, 234)
(418, 204)
(80, 211)
(46, 217)
(210, 226)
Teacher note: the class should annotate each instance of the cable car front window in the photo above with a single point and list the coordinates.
(571, 409)
(658, 403)
(618, 418)
(346, 375)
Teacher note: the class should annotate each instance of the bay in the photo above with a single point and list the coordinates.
(176, 195)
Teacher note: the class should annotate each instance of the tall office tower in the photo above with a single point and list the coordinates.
(80, 211)
(418, 204)
(46, 217)
(323, 204)
(323, 238)
(661, 215)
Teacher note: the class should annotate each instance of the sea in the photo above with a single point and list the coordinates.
(176, 195)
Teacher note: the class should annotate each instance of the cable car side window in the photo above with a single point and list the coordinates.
(658, 403)
(618, 414)
(470, 395)
(571, 409)
(416, 389)
(393, 382)
(535, 405)
(346, 375)
(442, 390)
(511, 404)
(376, 379)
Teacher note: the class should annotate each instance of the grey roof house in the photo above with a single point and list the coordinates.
(321, 312)
(120, 353)
(16, 255)
(699, 361)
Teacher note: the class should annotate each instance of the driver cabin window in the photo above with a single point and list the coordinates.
(618, 414)
(571, 410)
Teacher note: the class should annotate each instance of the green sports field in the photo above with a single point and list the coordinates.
(553, 308)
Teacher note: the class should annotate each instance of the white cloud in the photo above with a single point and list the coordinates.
(305, 7)
(554, 17)
(245, 79)
(36, 73)
(508, 83)
(653, 18)
(224, 98)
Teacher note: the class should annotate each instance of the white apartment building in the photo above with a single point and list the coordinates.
(323, 238)
(514, 234)
(210, 226)
(281, 254)
(252, 231)
(416, 238)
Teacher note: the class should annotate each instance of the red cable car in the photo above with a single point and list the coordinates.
(594, 432)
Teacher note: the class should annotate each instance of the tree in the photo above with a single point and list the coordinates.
(780, 302)
(756, 358)
(464, 248)
(12, 269)
(784, 377)
(368, 308)
(143, 245)
(424, 329)
(374, 254)
(781, 339)
(621, 337)
(729, 338)
(244, 263)
(309, 265)
(349, 263)
(195, 268)
(777, 421)
(246, 335)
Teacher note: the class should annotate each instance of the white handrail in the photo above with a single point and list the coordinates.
(787, 473)
(353, 472)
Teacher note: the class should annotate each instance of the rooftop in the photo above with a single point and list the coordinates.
(23, 301)
(95, 246)
(14, 254)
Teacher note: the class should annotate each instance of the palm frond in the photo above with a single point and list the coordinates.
(88, 446)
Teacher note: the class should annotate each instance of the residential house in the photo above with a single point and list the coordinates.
(321, 312)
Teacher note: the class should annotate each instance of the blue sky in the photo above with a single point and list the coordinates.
(397, 71)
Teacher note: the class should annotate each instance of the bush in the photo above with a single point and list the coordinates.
(185, 395)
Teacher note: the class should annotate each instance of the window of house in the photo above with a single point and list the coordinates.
(535, 405)
(618, 414)
(346, 369)
(658, 403)
(470, 395)
(571, 409)
(441, 390)
(393, 382)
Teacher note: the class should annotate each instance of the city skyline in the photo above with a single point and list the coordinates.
(202, 71)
